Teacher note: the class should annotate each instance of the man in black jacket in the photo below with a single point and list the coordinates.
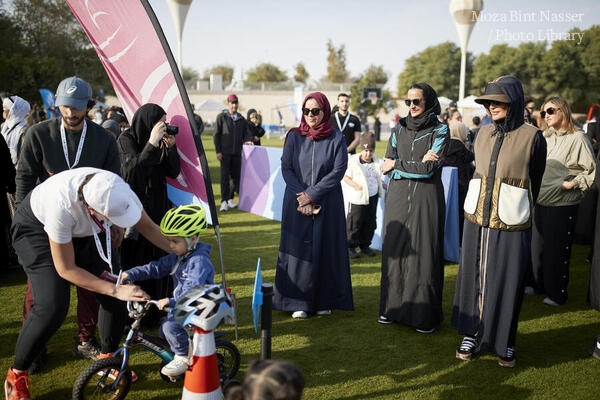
(56, 145)
(230, 134)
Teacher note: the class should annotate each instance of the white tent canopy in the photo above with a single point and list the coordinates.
(210, 105)
(444, 102)
(469, 102)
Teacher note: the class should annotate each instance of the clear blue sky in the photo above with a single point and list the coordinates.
(244, 33)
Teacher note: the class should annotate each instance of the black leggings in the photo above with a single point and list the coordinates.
(51, 293)
(553, 232)
(231, 167)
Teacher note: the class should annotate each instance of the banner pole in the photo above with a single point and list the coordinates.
(218, 232)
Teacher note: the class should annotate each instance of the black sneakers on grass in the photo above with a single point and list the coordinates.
(509, 361)
(467, 348)
(90, 349)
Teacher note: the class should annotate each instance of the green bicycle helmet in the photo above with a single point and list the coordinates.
(184, 221)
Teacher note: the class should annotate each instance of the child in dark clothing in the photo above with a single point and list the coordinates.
(363, 176)
(190, 266)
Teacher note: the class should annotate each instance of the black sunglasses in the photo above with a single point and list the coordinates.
(416, 102)
(233, 101)
(549, 111)
(494, 103)
(315, 111)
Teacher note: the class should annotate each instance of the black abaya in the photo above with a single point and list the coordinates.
(412, 267)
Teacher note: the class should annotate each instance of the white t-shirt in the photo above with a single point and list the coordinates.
(371, 173)
(54, 203)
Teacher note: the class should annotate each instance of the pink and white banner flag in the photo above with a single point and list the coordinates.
(134, 53)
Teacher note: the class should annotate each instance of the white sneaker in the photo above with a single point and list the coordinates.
(324, 312)
(224, 206)
(176, 367)
(299, 314)
(551, 302)
(231, 203)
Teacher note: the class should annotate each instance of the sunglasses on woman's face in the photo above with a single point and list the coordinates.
(549, 111)
(416, 102)
(315, 111)
(493, 103)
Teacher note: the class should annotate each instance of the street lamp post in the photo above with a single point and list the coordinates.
(465, 13)
(179, 10)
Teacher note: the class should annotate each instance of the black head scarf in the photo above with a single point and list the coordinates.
(144, 120)
(429, 116)
(250, 111)
(511, 86)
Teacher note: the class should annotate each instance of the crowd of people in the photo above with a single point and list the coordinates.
(519, 191)
(86, 194)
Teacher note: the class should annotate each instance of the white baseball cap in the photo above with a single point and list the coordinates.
(112, 197)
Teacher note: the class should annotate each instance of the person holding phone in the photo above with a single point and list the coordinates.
(148, 156)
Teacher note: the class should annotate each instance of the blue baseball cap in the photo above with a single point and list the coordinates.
(73, 92)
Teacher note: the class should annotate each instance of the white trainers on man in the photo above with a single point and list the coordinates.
(176, 367)
(299, 314)
(224, 206)
(231, 203)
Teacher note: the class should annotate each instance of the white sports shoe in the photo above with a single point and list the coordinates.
(299, 314)
(176, 367)
(324, 312)
(224, 206)
(231, 203)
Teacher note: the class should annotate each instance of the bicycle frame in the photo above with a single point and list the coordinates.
(134, 336)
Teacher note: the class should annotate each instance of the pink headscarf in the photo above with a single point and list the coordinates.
(322, 130)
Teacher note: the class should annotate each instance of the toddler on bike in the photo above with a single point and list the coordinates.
(190, 266)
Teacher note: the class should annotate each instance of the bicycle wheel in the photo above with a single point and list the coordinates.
(96, 382)
(228, 357)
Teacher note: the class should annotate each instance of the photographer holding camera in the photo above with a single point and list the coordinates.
(148, 156)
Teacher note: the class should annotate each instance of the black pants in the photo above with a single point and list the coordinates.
(231, 167)
(361, 223)
(553, 230)
(51, 293)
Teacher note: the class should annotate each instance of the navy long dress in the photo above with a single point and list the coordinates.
(412, 265)
(313, 270)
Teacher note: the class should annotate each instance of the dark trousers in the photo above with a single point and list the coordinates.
(231, 167)
(553, 230)
(51, 293)
(87, 312)
(361, 223)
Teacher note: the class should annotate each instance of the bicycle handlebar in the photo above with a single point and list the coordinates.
(141, 308)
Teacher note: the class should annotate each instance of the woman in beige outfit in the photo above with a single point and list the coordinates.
(570, 169)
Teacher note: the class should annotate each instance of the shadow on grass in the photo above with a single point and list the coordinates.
(13, 277)
(347, 348)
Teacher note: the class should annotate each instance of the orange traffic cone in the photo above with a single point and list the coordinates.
(202, 379)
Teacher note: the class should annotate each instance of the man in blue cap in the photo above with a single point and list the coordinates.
(59, 144)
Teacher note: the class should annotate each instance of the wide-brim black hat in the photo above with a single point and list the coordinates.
(493, 92)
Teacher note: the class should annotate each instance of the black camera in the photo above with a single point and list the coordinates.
(172, 130)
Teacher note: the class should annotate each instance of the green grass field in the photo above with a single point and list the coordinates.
(348, 355)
